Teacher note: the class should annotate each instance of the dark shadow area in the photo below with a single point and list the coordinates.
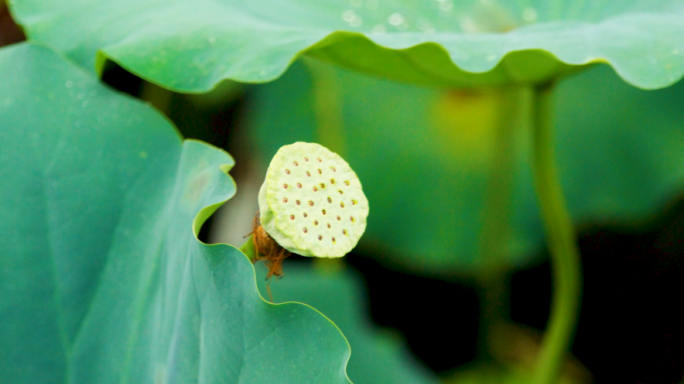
(631, 328)
(632, 323)
(437, 318)
(121, 80)
(10, 32)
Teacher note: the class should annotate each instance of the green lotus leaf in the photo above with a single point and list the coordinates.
(425, 157)
(377, 357)
(192, 46)
(102, 278)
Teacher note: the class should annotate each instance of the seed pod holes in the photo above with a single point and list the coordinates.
(301, 172)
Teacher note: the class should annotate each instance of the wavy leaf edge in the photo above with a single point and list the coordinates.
(102, 56)
(205, 212)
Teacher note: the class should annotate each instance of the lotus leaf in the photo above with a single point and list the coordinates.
(192, 46)
(102, 278)
(377, 356)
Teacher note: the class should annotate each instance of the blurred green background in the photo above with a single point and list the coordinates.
(424, 156)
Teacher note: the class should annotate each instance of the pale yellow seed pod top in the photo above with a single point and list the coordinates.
(312, 202)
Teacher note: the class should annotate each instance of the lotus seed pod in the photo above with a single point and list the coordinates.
(311, 202)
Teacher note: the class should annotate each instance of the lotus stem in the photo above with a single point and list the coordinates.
(496, 222)
(248, 249)
(565, 259)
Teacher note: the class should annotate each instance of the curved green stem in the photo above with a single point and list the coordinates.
(565, 260)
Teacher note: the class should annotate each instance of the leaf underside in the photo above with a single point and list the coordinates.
(192, 46)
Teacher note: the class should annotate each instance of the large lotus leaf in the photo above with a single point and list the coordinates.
(191, 46)
(377, 357)
(102, 279)
(424, 157)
